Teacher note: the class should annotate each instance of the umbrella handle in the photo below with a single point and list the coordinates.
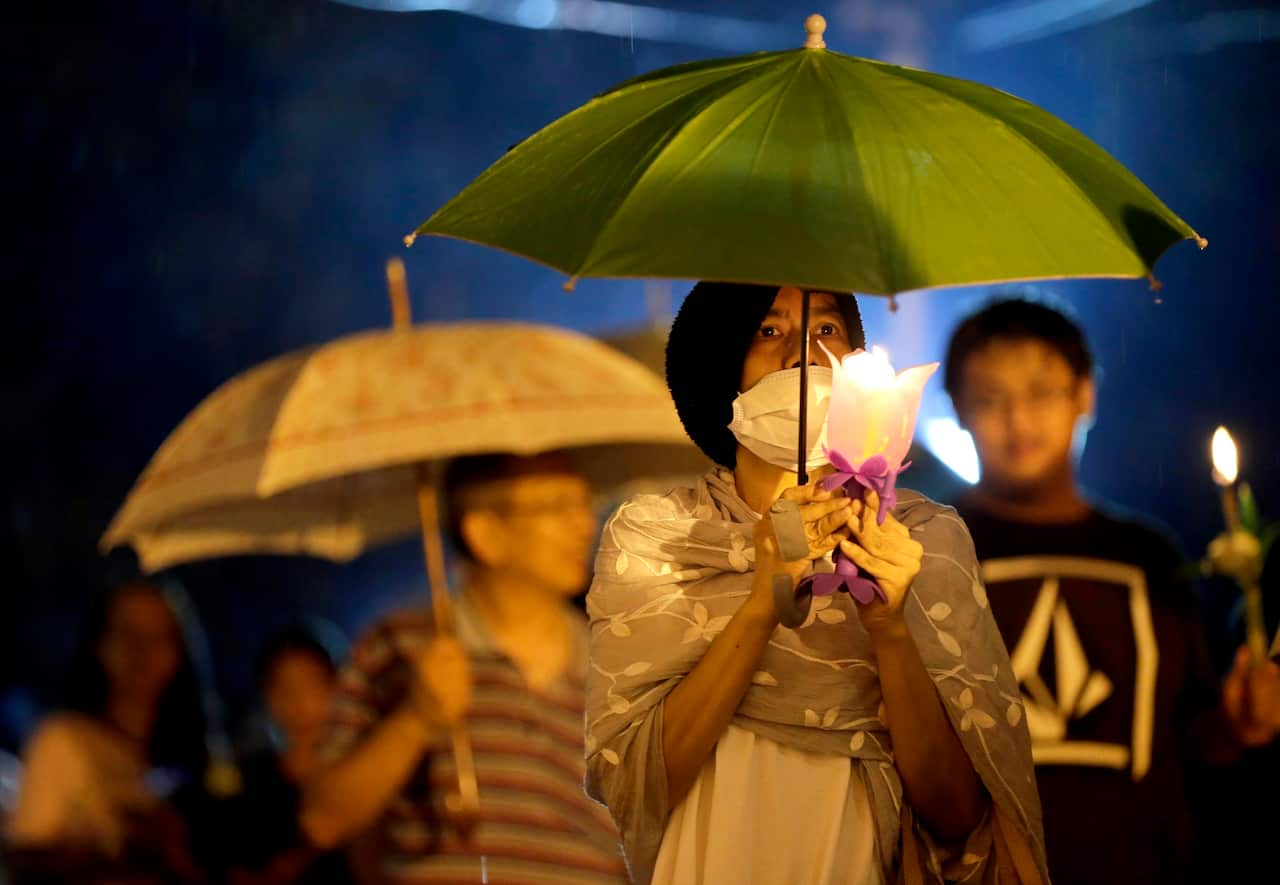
(802, 459)
(433, 551)
(463, 804)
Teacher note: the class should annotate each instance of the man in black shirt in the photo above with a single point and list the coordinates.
(1101, 624)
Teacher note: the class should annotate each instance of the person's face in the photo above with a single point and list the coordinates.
(776, 344)
(298, 691)
(545, 526)
(141, 647)
(1022, 402)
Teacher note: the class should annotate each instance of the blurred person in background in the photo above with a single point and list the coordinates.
(297, 677)
(107, 781)
(1102, 624)
(515, 674)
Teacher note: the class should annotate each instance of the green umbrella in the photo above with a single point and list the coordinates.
(818, 170)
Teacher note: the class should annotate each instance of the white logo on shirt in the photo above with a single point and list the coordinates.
(1080, 689)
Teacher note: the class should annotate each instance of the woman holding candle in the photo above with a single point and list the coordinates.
(872, 740)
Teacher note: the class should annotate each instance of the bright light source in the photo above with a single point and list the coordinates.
(1022, 20)
(609, 17)
(952, 445)
(1226, 460)
(868, 368)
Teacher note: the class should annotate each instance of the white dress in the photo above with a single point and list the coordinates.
(764, 813)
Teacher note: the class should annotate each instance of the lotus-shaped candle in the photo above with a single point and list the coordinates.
(871, 421)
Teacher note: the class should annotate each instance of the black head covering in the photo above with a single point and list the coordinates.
(705, 352)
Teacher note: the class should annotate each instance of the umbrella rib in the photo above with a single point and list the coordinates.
(961, 186)
(730, 128)
(500, 167)
(654, 152)
(724, 133)
(844, 120)
(773, 115)
(1021, 136)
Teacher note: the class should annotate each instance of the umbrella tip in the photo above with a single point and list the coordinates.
(815, 26)
(398, 289)
(1202, 242)
(409, 240)
(1154, 284)
(570, 284)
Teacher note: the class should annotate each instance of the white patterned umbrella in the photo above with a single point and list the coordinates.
(316, 452)
(328, 451)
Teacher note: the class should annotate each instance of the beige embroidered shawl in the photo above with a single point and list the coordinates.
(670, 573)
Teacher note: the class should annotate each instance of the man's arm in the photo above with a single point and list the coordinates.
(350, 794)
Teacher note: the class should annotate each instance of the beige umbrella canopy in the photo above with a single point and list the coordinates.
(316, 452)
(328, 451)
(642, 468)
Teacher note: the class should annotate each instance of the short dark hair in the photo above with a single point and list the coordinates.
(1017, 316)
(320, 640)
(470, 471)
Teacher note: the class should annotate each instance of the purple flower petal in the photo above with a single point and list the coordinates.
(847, 578)
(864, 590)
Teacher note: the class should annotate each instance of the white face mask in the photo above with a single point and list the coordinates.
(766, 419)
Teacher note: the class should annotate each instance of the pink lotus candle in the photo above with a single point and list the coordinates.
(870, 422)
(872, 419)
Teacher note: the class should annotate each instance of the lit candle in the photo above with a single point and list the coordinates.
(873, 409)
(1238, 553)
(1226, 467)
(870, 422)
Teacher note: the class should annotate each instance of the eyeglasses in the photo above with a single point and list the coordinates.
(550, 507)
(1037, 399)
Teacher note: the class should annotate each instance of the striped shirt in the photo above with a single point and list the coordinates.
(536, 825)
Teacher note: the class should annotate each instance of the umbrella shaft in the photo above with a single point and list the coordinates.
(433, 551)
(802, 459)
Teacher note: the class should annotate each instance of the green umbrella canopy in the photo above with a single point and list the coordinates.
(819, 170)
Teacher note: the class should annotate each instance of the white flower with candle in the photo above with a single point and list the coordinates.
(870, 423)
(1240, 551)
(872, 419)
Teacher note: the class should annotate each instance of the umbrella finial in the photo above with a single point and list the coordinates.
(398, 289)
(815, 26)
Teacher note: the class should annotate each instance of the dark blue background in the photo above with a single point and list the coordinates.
(193, 187)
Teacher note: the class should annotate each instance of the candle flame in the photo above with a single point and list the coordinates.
(870, 368)
(1226, 464)
(873, 408)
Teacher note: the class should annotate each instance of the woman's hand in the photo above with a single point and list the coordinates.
(826, 516)
(890, 555)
